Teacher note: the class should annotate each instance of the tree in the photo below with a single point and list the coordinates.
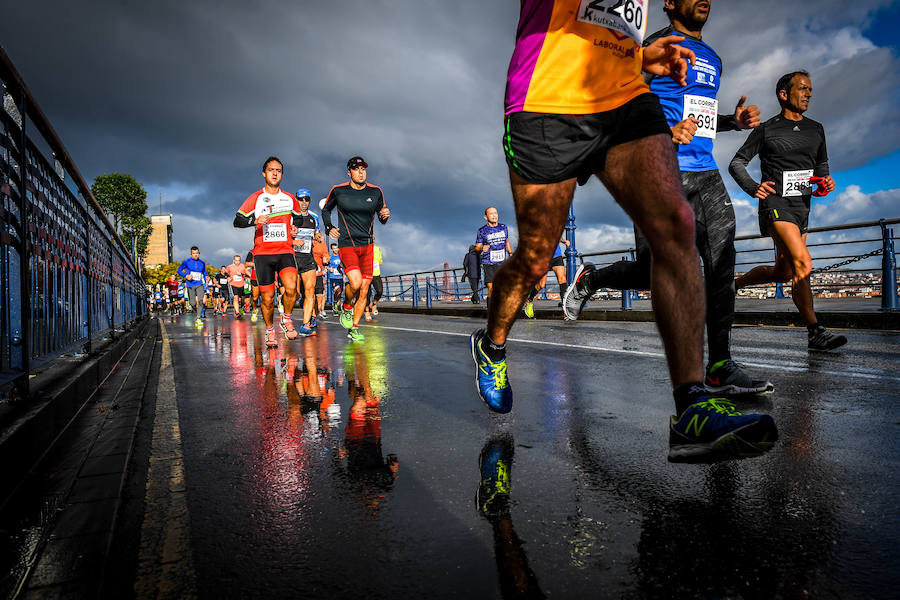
(139, 229)
(125, 199)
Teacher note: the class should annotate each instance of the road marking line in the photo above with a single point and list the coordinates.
(165, 564)
(797, 368)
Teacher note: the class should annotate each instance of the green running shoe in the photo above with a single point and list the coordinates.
(529, 310)
(355, 334)
(495, 463)
(346, 318)
(711, 430)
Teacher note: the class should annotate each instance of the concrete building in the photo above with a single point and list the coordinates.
(159, 248)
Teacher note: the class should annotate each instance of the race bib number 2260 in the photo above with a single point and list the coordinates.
(628, 17)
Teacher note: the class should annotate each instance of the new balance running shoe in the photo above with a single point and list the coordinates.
(271, 338)
(355, 334)
(529, 310)
(346, 318)
(495, 463)
(287, 328)
(711, 430)
(490, 377)
(728, 378)
(578, 293)
(824, 340)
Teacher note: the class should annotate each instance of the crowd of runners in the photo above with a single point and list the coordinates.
(587, 95)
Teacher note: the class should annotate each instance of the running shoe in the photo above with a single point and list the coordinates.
(253, 316)
(374, 312)
(495, 463)
(578, 293)
(355, 334)
(347, 318)
(287, 328)
(305, 331)
(824, 340)
(271, 338)
(313, 323)
(711, 430)
(727, 377)
(368, 317)
(529, 310)
(323, 315)
(490, 377)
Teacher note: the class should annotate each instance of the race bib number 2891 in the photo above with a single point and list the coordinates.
(628, 17)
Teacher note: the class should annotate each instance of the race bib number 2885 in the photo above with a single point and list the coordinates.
(628, 17)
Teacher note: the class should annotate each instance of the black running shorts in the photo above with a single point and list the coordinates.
(559, 261)
(266, 265)
(489, 272)
(794, 209)
(549, 148)
(320, 286)
(305, 262)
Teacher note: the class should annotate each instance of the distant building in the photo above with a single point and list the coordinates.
(159, 248)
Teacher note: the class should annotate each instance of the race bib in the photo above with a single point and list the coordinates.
(237, 278)
(197, 276)
(305, 236)
(275, 232)
(796, 183)
(628, 17)
(704, 110)
(247, 287)
(498, 256)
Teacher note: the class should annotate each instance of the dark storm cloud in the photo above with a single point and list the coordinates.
(190, 97)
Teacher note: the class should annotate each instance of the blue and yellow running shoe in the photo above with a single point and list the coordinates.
(490, 377)
(495, 463)
(711, 430)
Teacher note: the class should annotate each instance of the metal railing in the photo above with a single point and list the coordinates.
(874, 245)
(67, 280)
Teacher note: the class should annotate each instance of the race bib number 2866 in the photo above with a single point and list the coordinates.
(628, 17)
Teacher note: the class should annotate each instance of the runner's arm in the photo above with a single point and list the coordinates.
(738, 165)
(183, 269)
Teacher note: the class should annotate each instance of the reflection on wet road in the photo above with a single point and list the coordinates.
(332, 469)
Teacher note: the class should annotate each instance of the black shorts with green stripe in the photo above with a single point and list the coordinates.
(793, 209)
(549, 148)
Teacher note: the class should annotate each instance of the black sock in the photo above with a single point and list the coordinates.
(813, 329)
(687, 394)
(562, 289)
(532, 294)
(492, 350)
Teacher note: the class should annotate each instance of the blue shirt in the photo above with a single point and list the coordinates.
(493, 240)
(702, 80)
(335, 263)
(197, 269)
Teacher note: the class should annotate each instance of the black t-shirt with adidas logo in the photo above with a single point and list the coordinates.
(355, 213)
(788, 152)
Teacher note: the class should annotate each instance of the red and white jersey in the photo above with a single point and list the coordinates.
(275, 236)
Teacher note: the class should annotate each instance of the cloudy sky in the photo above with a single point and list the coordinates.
(190, 97)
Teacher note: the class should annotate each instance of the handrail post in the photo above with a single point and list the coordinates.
(626, 294)
(402, 291)
(455, 286)
(387, 289)
(434, 279)
(889, 299)
(415, 292)
(571, 252)
(428, 293)
(779, 288)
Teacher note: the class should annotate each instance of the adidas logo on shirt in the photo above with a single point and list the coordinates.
(796, 128)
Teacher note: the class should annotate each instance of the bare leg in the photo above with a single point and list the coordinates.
(362, 298)
(267, 306)
(657, 206)
(792, 245)
(290, 279)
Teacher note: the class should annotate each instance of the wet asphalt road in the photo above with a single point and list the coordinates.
(328, 469)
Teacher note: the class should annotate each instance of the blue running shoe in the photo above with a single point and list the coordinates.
(711, 430)
(305, 331)
(495, 463)
(313, 323)
(490, 377)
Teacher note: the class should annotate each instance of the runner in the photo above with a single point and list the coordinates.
(194, 272)
(793, 156)
(223, 281)
(692, 114)
(270, 211)
(493, 241)
(171, 288)
(307, 224)
(158, 299)
(236, 276)
(558, 266)
(576, 105)
(357, 203)
(251, 289)
(320, 254)
(472, 271)
(335, 278)
(377, 287)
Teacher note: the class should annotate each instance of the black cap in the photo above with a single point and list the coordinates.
(356, 161)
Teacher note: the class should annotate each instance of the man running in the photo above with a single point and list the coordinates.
(576, 105)
(320, 254)
(792, 156)
(222, 296)
(251, 289)
(492, 240)
(692, 114)
(335, 278)
(357, 203)
(236, 274)
(171, 287)
(307, 224)
(270, 211)
(194, 272)
(377, 287)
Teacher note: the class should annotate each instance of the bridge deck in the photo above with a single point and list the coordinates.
(269, 490)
